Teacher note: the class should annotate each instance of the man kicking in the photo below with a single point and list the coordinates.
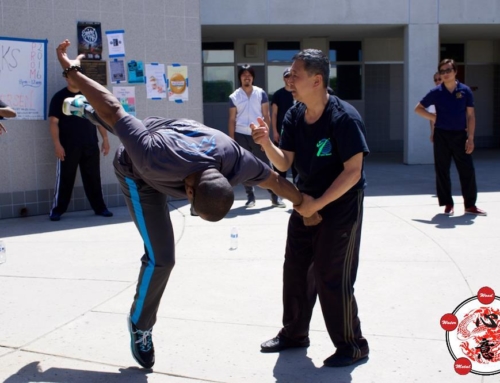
(160, 157)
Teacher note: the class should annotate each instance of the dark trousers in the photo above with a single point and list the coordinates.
(149, 211)
(322, 261)
(87, 158)
(246, 142)
(450, 144)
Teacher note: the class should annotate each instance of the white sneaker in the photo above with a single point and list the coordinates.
(74, 106)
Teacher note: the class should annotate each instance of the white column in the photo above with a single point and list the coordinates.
(421, 61)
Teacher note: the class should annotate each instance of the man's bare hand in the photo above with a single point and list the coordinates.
(308, 211)
(2, 129)
(260, 133)
(63, 58)
(59, 151)
(105, 147)
(307, 208)
(469, 146)
(313, 220)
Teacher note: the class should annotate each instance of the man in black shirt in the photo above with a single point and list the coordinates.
(325, 138)
(75, 145)
(282, 101)
(160, 157)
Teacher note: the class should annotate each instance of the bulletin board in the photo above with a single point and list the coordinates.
(23, 77)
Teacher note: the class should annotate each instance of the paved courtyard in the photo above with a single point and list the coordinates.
(66, 289)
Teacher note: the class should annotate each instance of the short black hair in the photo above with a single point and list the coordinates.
(315, 62)
(213, 196)
(448, 61)
(246, 68)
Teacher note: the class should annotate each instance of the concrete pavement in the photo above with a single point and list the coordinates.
(67, 286)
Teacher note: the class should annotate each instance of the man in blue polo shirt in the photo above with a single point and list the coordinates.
(454, 125)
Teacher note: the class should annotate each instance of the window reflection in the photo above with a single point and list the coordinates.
(218, 83)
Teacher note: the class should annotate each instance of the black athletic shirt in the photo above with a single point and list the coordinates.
(74, 131)
(322, 147)
(163, 152)
(283, 99)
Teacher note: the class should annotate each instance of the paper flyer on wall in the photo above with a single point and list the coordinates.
(116, 44)
(126, 96)
(177, 83)
(155, 81)
(117, 71)
(135, 71)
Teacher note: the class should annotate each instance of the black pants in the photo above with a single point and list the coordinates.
(246, 142)
(450, 144)
(149, 210)
(87, 158)
(322, 261)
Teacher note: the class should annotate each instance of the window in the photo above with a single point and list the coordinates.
(345, 51)
(282, 51)
(218, 71)
(279, 57)
(346, 72)
(453, 51)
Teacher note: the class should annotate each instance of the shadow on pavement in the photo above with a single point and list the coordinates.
(32, 373)
(442, 221)
(294, 366)
(243, 211)
(73, 220)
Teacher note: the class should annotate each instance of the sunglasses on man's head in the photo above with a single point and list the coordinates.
(445, 71)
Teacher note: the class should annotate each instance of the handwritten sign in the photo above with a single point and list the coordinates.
(23, 73)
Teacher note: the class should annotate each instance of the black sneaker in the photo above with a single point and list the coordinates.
(280, 343)
(339, 360)
(250, 200)
(55, 217)
(105, 213)
(141, 345)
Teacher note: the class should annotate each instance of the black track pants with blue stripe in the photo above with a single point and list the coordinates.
(149, 210)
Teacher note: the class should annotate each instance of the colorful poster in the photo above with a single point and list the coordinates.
(156, 81)
(117, 71)
(126, 95)
(135, 72)
(177, 83)
(90, 40)
(116, 44)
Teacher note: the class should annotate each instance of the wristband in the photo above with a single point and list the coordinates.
(77, 68)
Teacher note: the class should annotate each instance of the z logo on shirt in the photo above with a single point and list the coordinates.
(324, 148)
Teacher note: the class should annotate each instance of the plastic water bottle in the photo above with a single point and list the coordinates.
(234, 239)
(3, 254)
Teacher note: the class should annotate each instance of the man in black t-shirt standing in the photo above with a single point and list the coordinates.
(75, 145)
(282, 101)
(325, 138)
